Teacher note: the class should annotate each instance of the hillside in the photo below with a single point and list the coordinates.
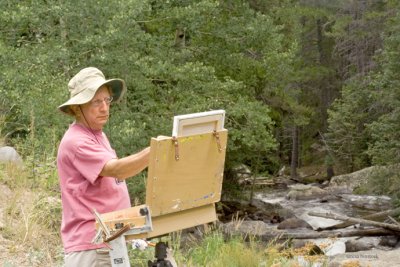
(29, 222)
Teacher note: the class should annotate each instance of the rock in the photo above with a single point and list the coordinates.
(246, 228)
(300, 208)
(336, 248)
(376, 203)
(10, 155)
(305, 192)
(243, 174)
(304, 262)
(389, 241)
(360, 244)
(337, 190)
(317, 222)
(293, 223)
(327, 247)
(369, 258)
(257, 211)
(348, 182)
(274, 208)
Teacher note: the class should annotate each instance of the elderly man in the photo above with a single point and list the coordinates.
(91, 176)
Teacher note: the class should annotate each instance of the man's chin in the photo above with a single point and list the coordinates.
(100, 124)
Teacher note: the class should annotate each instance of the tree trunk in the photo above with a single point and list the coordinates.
(375, 216)
(295, 153)
(330, 215)
(326, 234)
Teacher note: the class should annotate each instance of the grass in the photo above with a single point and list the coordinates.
(215, 251)
(31, 216)
(31, 219)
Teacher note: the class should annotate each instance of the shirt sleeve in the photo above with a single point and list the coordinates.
(90, 159)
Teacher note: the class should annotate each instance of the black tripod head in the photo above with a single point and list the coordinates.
(161, 255)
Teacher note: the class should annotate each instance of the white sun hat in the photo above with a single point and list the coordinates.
(84, 85)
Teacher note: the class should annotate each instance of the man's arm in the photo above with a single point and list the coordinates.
(128, 166)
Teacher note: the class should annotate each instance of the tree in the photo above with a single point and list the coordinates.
(384, 146)
(138, 42)
(357, 32)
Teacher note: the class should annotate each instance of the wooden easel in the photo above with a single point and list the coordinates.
(184, 182)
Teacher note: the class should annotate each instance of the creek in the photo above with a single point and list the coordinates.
(273, 210)
(301, 207)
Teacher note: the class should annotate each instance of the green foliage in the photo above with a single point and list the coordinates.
(364, 122)
(347, 135)
(215, 251)
(272, 65)
(47, 212)
(137, 188)
(227, 57)
(252, 58)
(384, 147)
(249, 124)
(383, 181)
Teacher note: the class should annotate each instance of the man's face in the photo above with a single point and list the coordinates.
(96, 112)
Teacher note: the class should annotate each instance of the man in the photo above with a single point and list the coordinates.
(91, 176)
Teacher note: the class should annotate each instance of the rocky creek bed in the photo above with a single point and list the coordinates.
(284, 214)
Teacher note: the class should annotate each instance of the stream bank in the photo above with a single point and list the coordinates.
(281, 214)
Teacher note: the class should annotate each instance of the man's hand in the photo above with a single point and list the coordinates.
(139, 244)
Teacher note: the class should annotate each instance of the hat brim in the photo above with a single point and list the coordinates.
(118, 89)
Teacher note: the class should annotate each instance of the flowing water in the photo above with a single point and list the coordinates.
(301, 208)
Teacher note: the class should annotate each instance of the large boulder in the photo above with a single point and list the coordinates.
(346, 183)
(376, 203)
(9, 155)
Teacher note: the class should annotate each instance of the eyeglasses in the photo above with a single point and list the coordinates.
(98, 102)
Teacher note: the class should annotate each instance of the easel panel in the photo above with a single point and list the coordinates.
(195, 179)
(176, 221)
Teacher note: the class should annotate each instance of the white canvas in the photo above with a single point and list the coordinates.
(198, 123)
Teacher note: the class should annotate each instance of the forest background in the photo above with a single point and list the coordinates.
(303, 82)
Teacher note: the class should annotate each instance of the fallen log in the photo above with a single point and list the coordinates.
(330, 215)
(282, 235)
(393, 220)
(375, 216)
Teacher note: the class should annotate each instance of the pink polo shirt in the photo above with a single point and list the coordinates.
(82, 155)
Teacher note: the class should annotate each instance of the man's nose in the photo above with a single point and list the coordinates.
(104, 105)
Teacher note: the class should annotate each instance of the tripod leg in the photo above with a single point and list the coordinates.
(170, 258)
(163, 257)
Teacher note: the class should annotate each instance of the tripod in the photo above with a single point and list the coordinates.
(161, 255)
